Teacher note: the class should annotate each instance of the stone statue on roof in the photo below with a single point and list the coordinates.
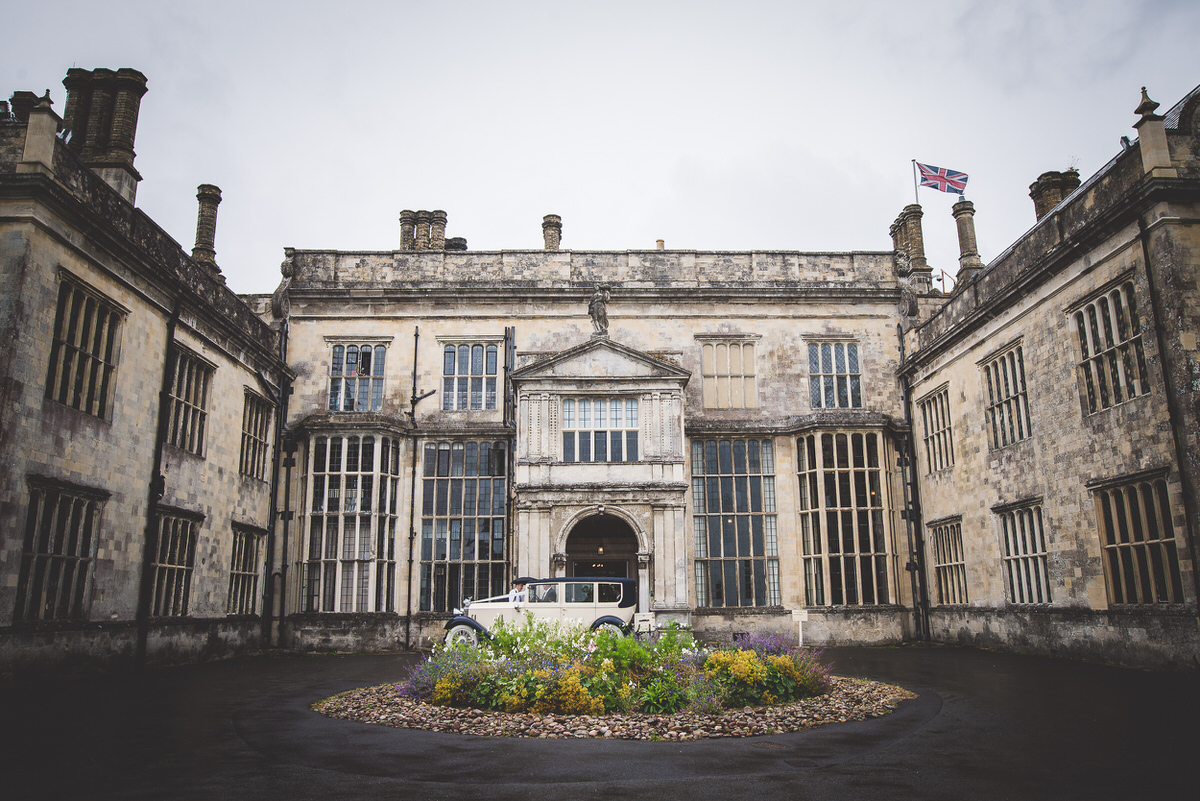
(598, 309)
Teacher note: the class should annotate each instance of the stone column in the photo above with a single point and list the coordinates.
(911, 216)
(99, 122)
(75, 115)
(437, 230)
(552, 231)
(130, 86)
(969, 262)
(408, 222)
(422, 233)
(206, 224)
(907, 236)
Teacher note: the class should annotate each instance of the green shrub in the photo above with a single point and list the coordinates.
(543, 668)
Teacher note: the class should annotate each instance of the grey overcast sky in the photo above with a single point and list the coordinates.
(711, 125)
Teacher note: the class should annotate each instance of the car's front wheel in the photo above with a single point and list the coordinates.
(462, 633)
(611, 627)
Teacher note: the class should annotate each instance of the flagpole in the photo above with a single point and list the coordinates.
(916, 199)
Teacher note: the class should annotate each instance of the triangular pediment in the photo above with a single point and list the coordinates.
(602, 359)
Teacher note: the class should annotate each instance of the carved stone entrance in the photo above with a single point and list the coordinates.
(602, 545)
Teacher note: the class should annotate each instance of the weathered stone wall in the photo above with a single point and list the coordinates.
(74, 222)
(1131, 637)
(665, 302)
(1122, 226)
(561, 269)
(355, 633)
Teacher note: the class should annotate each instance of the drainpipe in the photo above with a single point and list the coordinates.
(510, 469)
(412, 492)
(156, 490)
(1173, 410)
(912, 509)
(281, 406)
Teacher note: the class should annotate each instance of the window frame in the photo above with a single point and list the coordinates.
(949, 562)
(1007, 397)
(459, 393)
(739, 516)
(824, 525)
(352, 510)
(585, 436)
(57, 547)
(1106, 381)
(826, 358)
(455, 477)
(1130, 566)
(85, 351)
(1024, 552)
(246, 565)
(173, 561)
(350, 385)
(728, 372)
(189, 397)
(939, 430)
(257, 413)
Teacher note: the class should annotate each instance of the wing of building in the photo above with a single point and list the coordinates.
(816, 444)
(138, 405)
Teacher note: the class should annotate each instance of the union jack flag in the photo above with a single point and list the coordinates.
(942, 179)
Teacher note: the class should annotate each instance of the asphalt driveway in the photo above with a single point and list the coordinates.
(985, 726)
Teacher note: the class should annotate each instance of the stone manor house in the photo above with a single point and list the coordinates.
(821, 444)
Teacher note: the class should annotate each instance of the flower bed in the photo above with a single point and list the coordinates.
(542, 669)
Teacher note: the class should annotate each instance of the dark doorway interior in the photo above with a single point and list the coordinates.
(607, 568)
(602, 545)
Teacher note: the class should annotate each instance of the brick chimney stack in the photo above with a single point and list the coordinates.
(408, 223)
(426, 230)
(908, 237)
(102, 113)
(206, 225)
(969, 262)
(552, 231)
(1050, 188)
(437, 230)
(422, 234)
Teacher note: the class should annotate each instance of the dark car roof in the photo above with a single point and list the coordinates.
(581, 579)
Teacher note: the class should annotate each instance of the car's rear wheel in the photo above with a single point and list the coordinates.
(611, 627)
(462, 633)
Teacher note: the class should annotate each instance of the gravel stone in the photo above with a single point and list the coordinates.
(847, 699)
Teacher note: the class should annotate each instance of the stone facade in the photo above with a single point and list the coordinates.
(129, 495)
(563, 511)
(1069, 365)
(999, 476)
(815, 444)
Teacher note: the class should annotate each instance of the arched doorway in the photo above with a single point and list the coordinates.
(602, 545)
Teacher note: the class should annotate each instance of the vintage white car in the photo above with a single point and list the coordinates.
(596, 602)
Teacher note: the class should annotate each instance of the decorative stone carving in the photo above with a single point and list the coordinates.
(598, 309)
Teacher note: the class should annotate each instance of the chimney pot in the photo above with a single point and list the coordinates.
(204, 251)
(408, 223)
(1050, 188)
(422, 232)
(660, 244)
(437, 230)
(969, 262)
(552, 231)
